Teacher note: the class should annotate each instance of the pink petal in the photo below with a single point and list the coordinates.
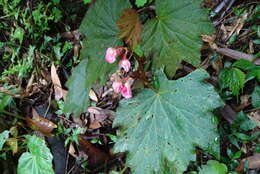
(117, 86)
(125, 64)
(126, 90)
(111, 55)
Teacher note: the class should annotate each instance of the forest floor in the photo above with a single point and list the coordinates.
(40, 45)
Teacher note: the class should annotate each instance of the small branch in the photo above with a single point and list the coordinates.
(7, 92)
(13, 115)
(152, 7)
(237, 55)
(140, 73)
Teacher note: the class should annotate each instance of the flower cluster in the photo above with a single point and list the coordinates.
(113, 53)
(123, 86)
(120, 85)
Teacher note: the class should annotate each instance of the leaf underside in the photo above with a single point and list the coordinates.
(174, 35)
(130, 27)
(99, 26)
(160, 130)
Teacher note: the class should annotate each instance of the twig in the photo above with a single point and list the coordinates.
(237, 55)
(152, 7)
(13, 115)
(124, 169)
(220, 7)
(7, 92)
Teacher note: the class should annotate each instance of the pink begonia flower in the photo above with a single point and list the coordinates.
(111, 55)
(117, 85)
(125, 64)
(126, 90)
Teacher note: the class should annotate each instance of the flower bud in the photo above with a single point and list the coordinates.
(126, 90)
(125, 64)
(117, 85)
(111, 55)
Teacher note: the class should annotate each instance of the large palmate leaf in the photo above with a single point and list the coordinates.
(160, 129)
(37, 160)
(174, 35)
(99, 26)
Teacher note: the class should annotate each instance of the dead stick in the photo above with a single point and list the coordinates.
(237, 55)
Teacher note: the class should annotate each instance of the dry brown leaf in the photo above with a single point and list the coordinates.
(93, 95)
(210, 39)
(243, 104)
(13, 144)
(95, 125)
(56, 83)
(253, 162)
(64, 93)
(238, 26)
(100, 114)
(96, 157)
(72, 151)
(76, 50)
(130, 27)
(255, 116)
(41, 124)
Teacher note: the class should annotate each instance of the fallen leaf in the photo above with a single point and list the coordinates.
(14, 131)
(56, 83)
(228, 113)
(76, 50)
(255, 116)
(100, 114)
(94, 125)
(238, 26)
(13, 144)
(130, 27)
(243, 104)
(93, 95)
(253, 162)
(72, 151)
(96, 157)
(64, 93)
(41, 124)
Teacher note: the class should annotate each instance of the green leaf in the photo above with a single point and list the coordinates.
(175, 34)
(99, 26)
(86, 1)
(160, 129)
(256, 97)
(77, 98)
(232, 78)
(18, 34)
(5, 100)
(213, 167)
(243, 64)
(254, 73)
(140, 3)
(3, 137)
(37, 160)
(242, 122)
